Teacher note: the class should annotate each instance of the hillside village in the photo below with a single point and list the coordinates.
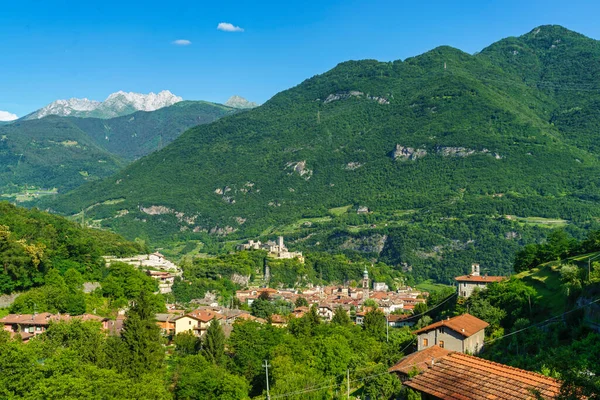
(426, 227)
(426, 331)
(449, 346)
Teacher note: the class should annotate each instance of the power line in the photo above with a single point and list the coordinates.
(545, 322)
(314, 389)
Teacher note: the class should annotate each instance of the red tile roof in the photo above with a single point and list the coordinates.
(203, 315)
(463, 377)
(277, 319)
(466, 324)
(397, 317)
(44, 319)
(420, 360)
(476, 278)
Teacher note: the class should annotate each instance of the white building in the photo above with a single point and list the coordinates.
(275, 249)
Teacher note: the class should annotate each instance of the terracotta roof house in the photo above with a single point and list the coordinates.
(196, 321)
(39, 323)
(166, 322)
(458, 376)
(248, 317)
(278, 320)
(468, 283)
(400, 320)
(419, 361)
(464, 333)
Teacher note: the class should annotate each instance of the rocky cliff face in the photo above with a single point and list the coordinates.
(407, 153)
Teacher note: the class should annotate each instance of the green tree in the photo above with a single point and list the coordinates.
(370, 303)
(420, 308)
(141, 337)
(186, 343)
(262, 308)
(198, 379)
(301, 302)
(213, 343)
(340, 317)
(382, 385)
(375, 323)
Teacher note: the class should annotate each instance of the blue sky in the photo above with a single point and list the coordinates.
(62, 49)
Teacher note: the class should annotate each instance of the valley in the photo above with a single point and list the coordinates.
(422, 228)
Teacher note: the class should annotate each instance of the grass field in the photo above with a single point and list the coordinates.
(542, 222)
(545, 279)
(339, 211)
(430, 286)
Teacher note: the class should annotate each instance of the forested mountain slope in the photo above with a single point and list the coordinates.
(51, 153)
(447, 150)
(33, 242)
(135, 135)
(65, 152)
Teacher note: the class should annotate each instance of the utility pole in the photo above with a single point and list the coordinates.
(266, 365)
(387, 329)
(348, 381)
(590, 266)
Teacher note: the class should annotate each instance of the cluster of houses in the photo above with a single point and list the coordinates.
(328, 298)
(155, 265)
(275, 249)
(446, 366)
(29, 325)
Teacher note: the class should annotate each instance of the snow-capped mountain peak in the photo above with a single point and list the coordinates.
(116, 104)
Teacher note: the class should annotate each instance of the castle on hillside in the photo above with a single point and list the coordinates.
(275, 249)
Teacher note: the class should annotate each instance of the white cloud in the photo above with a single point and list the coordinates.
(6, 116)
(182, 42)
(227, 27)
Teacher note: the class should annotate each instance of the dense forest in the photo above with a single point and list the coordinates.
(33, 242)
(458, 153)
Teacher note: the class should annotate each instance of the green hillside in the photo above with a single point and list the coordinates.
(33, 242)
(459, 158)
(135, 135)
(50, 153)
(62, 153)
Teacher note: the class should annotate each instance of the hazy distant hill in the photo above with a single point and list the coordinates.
(451, 153)
(240, 102)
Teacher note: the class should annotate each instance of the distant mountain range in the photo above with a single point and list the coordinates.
(430, 163)
(115, 105)
(119, 104)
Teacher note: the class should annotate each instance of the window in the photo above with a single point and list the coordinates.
(189, 322)
(441, 344)
(425, 342)
(442, 330)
